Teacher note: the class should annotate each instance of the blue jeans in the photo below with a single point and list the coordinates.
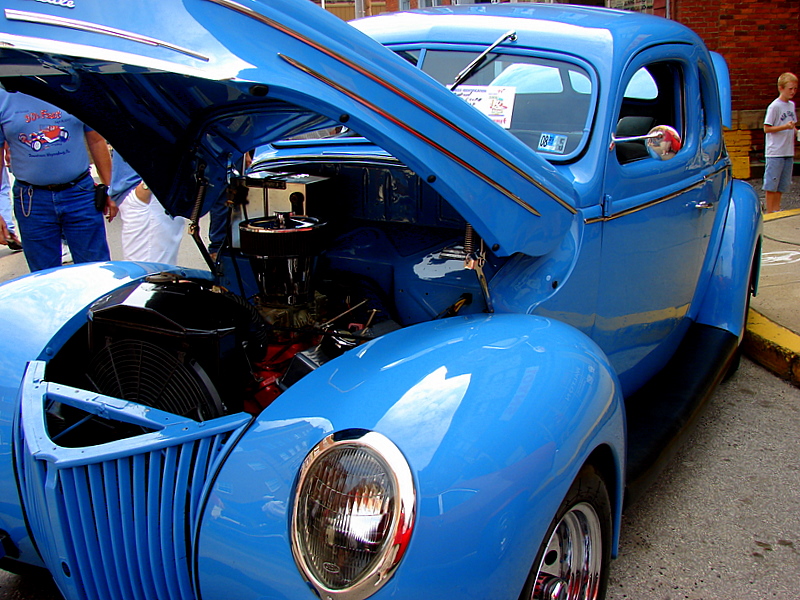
(44, 216)
(218, 226)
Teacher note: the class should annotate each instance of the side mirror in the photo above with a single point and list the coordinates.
(662, 141)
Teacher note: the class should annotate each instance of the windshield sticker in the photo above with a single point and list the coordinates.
(550, 142)
(495, 101)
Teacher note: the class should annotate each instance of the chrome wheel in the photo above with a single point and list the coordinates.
(572, 561)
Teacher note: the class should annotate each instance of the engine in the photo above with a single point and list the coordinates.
(303, 296)
(198, 351)
(309, 320)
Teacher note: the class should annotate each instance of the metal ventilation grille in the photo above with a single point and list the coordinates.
(141, 372)
(119, 520)
(121, 529)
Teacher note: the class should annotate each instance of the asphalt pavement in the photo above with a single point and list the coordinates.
(722, 522)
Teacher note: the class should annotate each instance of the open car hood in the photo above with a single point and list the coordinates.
(182, 88)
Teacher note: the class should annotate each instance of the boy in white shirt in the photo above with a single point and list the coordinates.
(779, 129)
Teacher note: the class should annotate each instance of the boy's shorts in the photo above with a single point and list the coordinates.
(778, 173)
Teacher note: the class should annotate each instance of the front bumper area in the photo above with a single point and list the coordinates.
(117, 520)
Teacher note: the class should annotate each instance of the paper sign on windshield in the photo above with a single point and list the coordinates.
(495, 101)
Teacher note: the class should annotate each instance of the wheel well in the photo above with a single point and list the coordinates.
(602, 459)
(755, 269)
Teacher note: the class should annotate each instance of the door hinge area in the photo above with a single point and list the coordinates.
(605, 205)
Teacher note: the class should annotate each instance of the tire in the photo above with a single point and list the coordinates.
(573, 561)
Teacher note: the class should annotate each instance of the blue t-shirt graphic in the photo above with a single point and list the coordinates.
(47, 144)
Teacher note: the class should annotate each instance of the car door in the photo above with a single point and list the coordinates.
(659, 211)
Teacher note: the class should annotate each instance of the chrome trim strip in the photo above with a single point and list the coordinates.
(235, 6)
(399, 123)
(635, 209)
(29, 17)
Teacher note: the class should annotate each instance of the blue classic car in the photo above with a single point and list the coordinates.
(480, 269)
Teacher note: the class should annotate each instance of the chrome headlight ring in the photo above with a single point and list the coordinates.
(352, 515)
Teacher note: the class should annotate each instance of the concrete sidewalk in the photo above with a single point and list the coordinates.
(772, 338)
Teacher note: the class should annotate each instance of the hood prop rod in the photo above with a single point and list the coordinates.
(474, 259)
(194, 221)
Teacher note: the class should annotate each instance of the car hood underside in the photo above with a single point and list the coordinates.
(183, 89)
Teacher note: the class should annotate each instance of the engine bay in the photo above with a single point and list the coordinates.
(292, 293)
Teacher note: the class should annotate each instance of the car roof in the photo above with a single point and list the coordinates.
(595, 34)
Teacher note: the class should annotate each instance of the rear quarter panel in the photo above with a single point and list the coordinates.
(725, 301)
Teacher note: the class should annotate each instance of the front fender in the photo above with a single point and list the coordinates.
(494, 414)
(725, 302)
(39, 313)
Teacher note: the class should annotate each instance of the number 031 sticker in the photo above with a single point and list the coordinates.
(550, 142)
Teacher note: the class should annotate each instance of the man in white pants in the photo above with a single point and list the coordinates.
(149, 233)
(7, 209)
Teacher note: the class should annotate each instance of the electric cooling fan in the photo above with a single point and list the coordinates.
(141, 372)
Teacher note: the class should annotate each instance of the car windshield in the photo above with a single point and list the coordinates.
(543, 102)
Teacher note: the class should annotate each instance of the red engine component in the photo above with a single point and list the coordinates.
(268, 372)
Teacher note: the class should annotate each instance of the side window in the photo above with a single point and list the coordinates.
(710, 121)
(654, 98)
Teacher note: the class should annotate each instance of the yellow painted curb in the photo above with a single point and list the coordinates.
(782, 214)
(772, 346)
(760, 325)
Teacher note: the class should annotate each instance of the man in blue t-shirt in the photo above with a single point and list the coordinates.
(54, 191)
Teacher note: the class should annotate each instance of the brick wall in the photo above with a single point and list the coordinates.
(393, 5)
(760, 39)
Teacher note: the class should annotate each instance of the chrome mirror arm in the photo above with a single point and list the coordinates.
(636, 138)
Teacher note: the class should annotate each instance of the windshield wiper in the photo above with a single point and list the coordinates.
(473, 66)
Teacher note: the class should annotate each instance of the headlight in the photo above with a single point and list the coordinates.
(353, 514)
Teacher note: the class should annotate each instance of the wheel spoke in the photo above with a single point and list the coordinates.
(571, 564)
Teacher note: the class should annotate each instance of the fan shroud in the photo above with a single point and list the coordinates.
(140, 371)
